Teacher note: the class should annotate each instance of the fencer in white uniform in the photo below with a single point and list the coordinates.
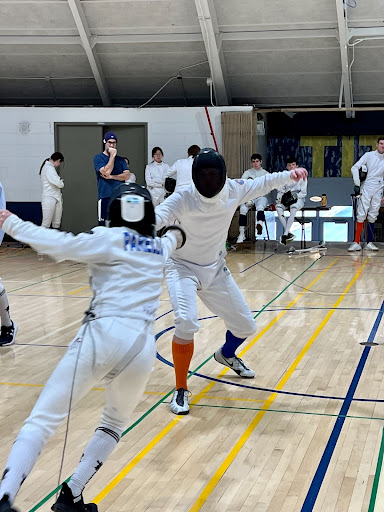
(260, 203)
(8, 327)
(369, 193)
(181, 170)
(155, 175)
(297, 192)
(51, 198)
(205, 210)
(115, 344)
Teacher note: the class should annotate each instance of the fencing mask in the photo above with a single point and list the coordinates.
(209, 172)
(131, 206)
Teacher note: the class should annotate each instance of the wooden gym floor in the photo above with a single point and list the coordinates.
(305, 434)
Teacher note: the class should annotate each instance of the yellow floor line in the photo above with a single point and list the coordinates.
(244, 437)
(174, 422)
(79, 290)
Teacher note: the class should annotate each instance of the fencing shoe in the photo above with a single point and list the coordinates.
(179, 402)
(371, 247)
(5, 505)
(283, 240)
(354, 247)
(235, 364)
(240, 238)
(8, 334)
(290, 237)
(66, 502)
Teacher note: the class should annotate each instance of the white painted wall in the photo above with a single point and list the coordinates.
(173, 129)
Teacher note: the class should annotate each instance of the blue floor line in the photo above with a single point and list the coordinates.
(318, 479)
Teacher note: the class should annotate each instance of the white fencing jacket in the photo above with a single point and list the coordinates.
(126, 269)
(51, 181)
(206, 221)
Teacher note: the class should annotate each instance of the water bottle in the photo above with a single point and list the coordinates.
(324, 200)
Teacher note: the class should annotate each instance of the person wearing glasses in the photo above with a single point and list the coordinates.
(111, 171)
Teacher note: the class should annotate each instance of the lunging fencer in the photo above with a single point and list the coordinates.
(368, 175)
(204, 210)
(260, 203)
(290, 197)
(115, 344)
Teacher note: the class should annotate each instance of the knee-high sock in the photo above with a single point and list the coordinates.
(371, 231)
(232, 343)
(95, 454)
(4, 308)
(290, 220)
(359, 229)
(24, 454)
(182, 356)
(280, 214)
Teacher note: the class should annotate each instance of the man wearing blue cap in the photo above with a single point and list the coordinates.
(111, 171)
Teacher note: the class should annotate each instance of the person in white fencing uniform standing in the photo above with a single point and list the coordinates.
(181, 170)
(290, 197)
(115, 344)
(8, 327)
(155, 175)
(368, 175)
(51, 198)
(204, 210)
(260, 202)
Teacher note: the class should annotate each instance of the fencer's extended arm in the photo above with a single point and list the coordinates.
(169, 210)
(85, 247)
(355, 169)
(261, 186)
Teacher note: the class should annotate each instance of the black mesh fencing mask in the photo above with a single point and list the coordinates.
(209, 172)
(131, 206)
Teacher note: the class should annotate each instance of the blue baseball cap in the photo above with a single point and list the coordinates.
(109, 136)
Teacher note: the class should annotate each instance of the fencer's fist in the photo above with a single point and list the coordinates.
(178, 232)
(112, 152)
(4, 214)
(299, 173)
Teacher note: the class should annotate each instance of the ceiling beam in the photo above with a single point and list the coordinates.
(345, 86)
(209, 28)
(85, 36)
(366, 33)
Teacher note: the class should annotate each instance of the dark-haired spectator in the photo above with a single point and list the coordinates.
(181, 170)
(51, 198)
(111, 171)
(155, 175)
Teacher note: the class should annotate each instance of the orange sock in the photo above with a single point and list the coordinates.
(359, 229)
(182, 355)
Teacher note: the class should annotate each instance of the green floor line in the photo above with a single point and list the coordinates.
(289, 412)
(46, 498)
(375, 485)
(44, 280)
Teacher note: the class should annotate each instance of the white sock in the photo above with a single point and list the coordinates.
(95, 454)
(21, 460)
(4, 308)
(242, 230)
(290, 220)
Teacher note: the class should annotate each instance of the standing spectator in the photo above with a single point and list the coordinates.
(155, 175)
(51, 198)
(369, 192)
(181, 170)
(8, 327)
(132, 177)
(111, 171)
(290, 197)
(260, 202)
